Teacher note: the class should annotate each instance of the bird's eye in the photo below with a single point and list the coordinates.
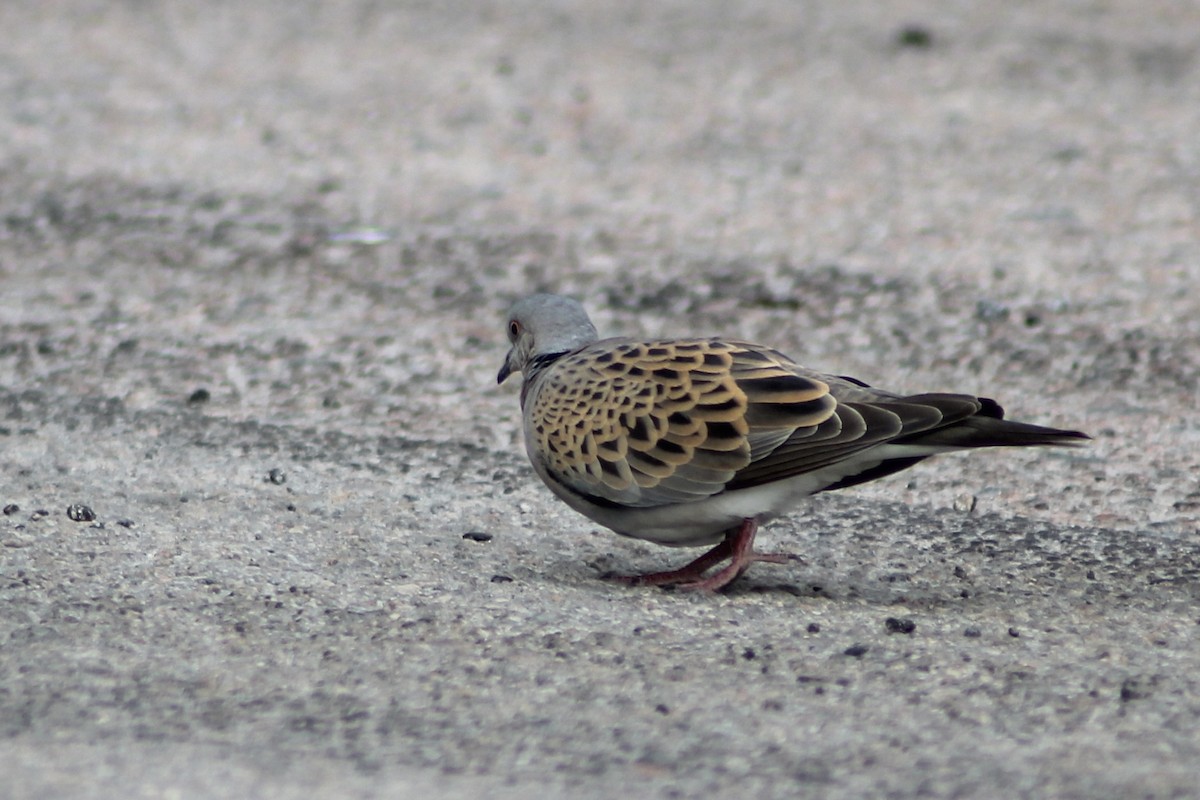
(514, 329)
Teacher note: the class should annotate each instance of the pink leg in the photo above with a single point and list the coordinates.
(738, 547)
(689, 572)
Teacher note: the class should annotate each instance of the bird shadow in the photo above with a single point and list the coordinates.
(608, 571)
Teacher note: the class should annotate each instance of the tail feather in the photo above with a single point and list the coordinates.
(988, 428)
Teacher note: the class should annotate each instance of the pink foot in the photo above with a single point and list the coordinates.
(689, 572)
(738, 547)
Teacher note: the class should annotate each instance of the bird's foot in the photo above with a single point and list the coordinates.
(737, 547)
(727, 574)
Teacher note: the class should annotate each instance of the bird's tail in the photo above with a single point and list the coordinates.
(988, 428)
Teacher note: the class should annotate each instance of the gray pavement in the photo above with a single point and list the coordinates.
(254, 261)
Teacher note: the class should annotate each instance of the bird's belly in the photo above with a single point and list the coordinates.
(705, 521)
(694, 524)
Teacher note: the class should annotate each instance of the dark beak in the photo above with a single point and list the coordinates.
(505, 370)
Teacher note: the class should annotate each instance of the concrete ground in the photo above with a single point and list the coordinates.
(254, 262)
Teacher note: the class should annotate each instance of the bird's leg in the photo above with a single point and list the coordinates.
(741, 556)
(737, 546)
(689, 572)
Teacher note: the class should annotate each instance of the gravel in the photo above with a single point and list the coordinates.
(268, 529)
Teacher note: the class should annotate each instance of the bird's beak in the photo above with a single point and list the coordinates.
(505, 370)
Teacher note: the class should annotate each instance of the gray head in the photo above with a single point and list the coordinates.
(543, 325)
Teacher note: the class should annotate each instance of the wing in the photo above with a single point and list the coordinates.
(864, 418)
(658, 422)
(653, 423)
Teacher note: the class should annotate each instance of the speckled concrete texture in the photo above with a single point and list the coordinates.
(268, 529)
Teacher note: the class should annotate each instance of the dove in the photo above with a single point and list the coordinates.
(696, 442)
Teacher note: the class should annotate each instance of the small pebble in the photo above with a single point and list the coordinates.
(277, 476)
(915, 36)
(1136, 688)
(896, 625)
(11, 509)
(80, 513)
(501, 579)
(965, 503)
(990, 310)
(814, 627)
(972, 633)
(199, 396)
(477, 536)
(856, 650)
(1013, 632)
